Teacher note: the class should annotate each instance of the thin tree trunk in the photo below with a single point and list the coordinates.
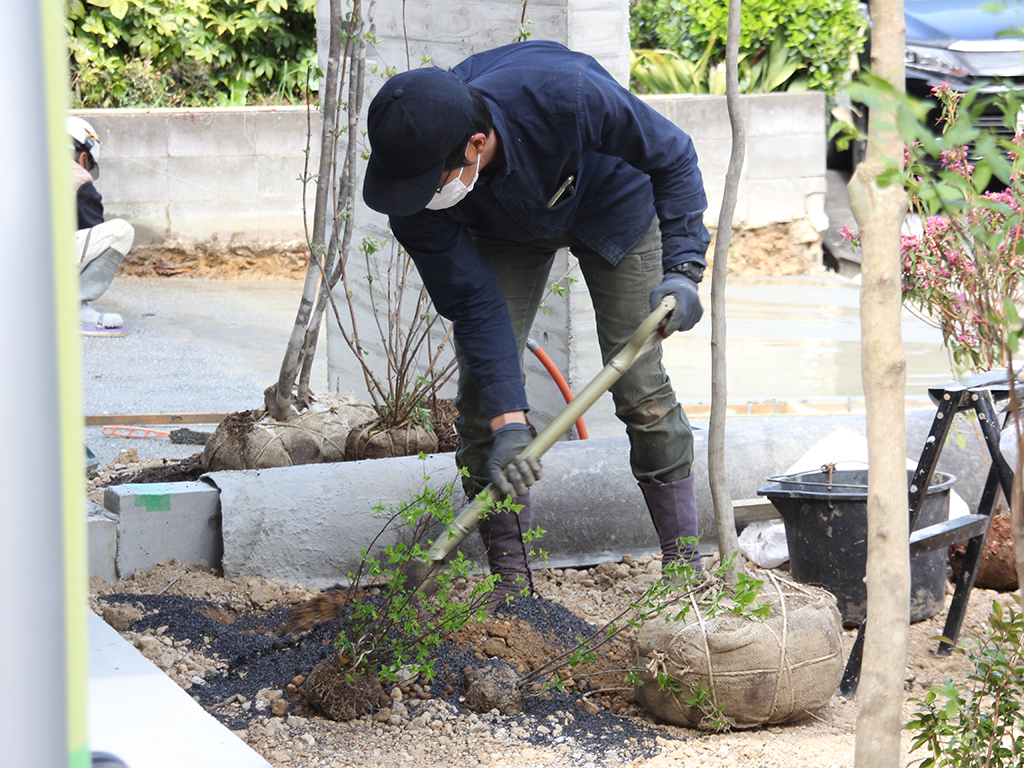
(278, 397)
(356, 79)
(728, 544)
(880, 212)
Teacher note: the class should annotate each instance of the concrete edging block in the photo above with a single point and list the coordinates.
(157, 522)
(309, 524)
(101, 533)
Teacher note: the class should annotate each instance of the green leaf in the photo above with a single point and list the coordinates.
(119, 8)
(952, 708)
(993, 8)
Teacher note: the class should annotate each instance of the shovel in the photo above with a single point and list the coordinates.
(421, 573)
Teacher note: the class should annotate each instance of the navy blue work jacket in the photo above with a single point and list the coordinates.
(556, 114)
(90, 206)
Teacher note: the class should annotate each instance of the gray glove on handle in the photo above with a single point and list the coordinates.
(688, 309)
(509, 472)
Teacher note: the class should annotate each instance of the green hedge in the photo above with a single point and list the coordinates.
(172, 53)
(821, 36)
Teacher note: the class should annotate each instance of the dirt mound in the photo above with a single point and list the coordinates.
(218, 260)
(227, 652)
(792, 248)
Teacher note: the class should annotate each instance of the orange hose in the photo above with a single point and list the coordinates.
(534, 347)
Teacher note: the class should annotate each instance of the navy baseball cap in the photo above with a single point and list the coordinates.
(414, 122)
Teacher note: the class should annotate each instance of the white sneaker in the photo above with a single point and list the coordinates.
(96, 323)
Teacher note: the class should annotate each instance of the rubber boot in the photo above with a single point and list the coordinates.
(673, 509)
(502, 535)
(98, 274)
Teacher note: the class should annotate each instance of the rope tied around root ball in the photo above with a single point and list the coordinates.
(754, 672)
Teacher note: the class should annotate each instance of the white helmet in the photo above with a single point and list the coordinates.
(85, 140)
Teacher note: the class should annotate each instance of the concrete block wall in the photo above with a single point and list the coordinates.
(200, 174)
(783, 176)
(233, 174)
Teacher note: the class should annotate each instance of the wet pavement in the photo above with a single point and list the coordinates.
(193, 346)
(795, 338)
(213, 346)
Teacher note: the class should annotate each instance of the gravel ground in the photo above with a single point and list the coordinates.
(216, 638)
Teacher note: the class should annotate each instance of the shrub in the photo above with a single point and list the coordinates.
(157, 53)
(979, 724)
(823, 35)
(963, 250)
(398, 628)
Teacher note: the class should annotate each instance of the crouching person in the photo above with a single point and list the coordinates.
(100, 246)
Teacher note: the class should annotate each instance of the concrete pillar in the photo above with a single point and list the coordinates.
(445, 34)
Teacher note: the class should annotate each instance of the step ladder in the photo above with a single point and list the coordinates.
(984, 394)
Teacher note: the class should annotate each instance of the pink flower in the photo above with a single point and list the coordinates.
(906, 153)
(955, 160)
(945, 92)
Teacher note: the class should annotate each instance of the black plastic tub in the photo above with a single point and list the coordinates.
(826, 516)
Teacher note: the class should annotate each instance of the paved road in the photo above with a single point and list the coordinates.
(193, 346)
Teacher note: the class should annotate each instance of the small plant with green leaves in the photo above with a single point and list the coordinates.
(523, 34)
(560, 287)
(700, 698)
(390, 627)
(980, 723)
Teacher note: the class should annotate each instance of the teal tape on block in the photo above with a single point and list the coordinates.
(155, 497)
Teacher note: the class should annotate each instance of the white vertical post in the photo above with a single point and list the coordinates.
(40, 390)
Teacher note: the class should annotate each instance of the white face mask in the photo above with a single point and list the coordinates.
(453, 192)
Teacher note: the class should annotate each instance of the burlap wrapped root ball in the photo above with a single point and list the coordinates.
(370, 441)
(252, 440)
(760, 672)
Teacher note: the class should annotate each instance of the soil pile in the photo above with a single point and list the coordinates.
(226, 650)
(217, 260)
(792, 248)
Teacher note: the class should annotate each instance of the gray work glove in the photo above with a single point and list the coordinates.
(688, 309)
(509, 472)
